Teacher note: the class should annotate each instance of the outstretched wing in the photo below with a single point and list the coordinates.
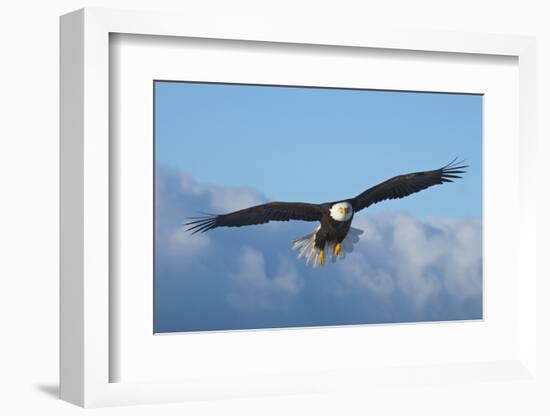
(260, 214)
(410, 183)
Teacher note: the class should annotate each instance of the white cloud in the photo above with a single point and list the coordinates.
(419, 258)
(255, 287)
(358, 272)
(222, 199)
(187, 246)
(228, 200)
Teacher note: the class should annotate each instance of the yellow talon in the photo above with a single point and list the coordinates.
(321, 258)
(337, 249)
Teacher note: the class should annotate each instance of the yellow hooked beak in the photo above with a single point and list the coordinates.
(344, 210)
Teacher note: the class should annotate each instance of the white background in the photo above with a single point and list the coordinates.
(29, 209)
(139, 62)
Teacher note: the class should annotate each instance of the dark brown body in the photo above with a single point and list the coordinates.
(331, 230)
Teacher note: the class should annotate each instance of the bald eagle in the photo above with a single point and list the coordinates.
(334, 234)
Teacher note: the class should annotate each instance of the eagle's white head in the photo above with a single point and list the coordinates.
(342, 211)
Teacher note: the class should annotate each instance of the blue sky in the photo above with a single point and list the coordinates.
(319, 145)
(224, 147)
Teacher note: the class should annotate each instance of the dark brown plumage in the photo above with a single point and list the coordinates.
(259, 214)
(404, 185)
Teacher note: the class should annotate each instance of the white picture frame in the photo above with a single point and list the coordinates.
(87, 305)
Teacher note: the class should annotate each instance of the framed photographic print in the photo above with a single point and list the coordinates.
(296, 200)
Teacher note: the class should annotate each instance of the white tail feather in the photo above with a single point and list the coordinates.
(306, 246)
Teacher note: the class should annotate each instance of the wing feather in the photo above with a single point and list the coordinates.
(259, 214)
(410, 183)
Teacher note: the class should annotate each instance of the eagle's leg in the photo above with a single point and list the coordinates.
(321, 257)
(337, 249)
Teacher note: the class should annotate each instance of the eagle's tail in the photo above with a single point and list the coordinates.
(306, 246)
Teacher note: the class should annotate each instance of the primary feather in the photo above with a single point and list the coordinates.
(410, 183)
(259, 214)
